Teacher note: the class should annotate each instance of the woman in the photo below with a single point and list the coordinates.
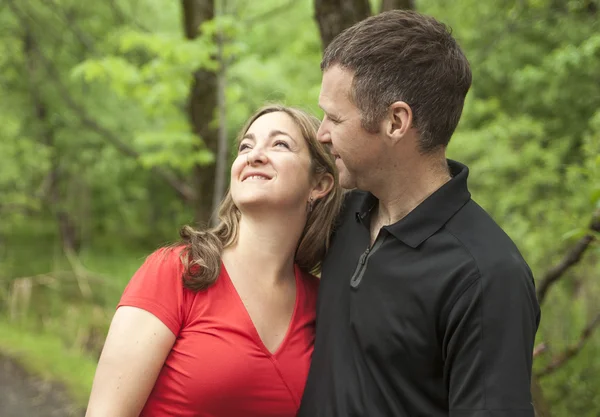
(223, 324)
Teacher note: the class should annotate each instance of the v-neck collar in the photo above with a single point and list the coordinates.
(256, 336)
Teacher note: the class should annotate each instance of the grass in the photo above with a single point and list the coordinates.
(45, 355)
(44, 339)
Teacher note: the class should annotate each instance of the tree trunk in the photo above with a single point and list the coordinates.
(397, 4)
(201, 107)
(333, 16)
(67, 229)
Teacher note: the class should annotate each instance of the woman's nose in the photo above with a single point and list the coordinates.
(257, 156)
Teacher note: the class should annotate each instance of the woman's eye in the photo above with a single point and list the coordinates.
(282, 143)
(243, 146)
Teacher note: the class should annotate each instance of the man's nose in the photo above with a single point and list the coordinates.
(323, 135)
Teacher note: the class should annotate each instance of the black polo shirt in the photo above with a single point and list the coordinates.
(437, 318)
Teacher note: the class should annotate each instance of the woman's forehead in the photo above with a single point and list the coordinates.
(272, 124)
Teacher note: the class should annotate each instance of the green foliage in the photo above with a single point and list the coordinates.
(152, 72)
(285, 70)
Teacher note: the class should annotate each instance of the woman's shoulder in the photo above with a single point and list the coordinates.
(167, 258)
(163, 266)
(157, 288)
(169, 254)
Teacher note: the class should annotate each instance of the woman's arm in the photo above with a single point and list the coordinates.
(134, 352)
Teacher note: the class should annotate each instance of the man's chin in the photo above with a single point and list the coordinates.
(347, 181)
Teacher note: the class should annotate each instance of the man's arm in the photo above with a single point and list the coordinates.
(488, 345)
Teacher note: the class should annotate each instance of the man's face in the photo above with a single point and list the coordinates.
(356, 151)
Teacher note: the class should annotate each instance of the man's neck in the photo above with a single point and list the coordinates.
(402, 193)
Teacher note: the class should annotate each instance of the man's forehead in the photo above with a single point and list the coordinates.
(323, 101)
(336, 82)
(337, 76)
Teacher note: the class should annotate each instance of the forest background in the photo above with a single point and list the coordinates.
(116, 124)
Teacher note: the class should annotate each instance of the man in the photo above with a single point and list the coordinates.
(426, 307)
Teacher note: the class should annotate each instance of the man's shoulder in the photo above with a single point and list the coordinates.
(491, 248)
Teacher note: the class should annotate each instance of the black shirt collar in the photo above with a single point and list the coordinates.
(429, 216)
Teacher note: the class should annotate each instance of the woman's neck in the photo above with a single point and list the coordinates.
(266, 245)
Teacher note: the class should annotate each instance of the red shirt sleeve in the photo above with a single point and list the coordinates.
(157, 287)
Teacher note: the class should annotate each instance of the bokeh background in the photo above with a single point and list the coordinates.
(116, 124)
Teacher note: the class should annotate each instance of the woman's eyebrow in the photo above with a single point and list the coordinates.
(281, 132)
(272, 134)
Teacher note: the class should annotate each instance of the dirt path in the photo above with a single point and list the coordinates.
(23, 395)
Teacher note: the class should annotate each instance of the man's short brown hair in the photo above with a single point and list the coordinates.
(404, 56)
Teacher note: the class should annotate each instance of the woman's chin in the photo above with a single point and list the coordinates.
(267, 205)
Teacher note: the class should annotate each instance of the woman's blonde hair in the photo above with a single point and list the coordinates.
(203, 248)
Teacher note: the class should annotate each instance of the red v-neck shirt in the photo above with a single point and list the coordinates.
(219, 366)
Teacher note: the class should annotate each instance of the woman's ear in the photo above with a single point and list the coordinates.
(323, 186)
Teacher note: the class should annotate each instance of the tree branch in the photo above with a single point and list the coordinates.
(539, 349)
(182, 189)
(16, 208)
(25, 16)
(123, 19)
(70, 23)
(573, 257)
(271, 13)
(572, 350)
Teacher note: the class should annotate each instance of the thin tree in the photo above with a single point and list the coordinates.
(222, 145)
(202, 105)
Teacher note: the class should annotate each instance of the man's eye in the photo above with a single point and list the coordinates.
(333, 120)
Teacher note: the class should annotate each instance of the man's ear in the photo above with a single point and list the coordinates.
(323, 186)
(399, 121)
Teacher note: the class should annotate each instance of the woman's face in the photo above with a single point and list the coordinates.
(273, 167)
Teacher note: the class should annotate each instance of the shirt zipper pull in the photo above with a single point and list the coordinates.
(363, 257)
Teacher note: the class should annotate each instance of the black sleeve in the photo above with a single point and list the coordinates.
(488, 346)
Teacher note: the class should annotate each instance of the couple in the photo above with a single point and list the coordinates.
(424, 308)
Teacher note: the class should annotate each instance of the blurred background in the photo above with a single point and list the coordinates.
(116, 120)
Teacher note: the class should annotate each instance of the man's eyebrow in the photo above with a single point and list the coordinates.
(327, 113)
